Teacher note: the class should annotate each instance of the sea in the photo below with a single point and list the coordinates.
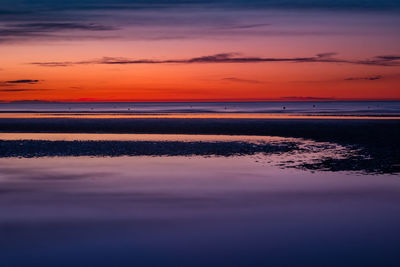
(274, 107)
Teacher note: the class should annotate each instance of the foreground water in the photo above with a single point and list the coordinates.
(248, 210)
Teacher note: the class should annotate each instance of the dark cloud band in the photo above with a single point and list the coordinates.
(232, 58)
(22, 81)
(16, 90)
(369, 78)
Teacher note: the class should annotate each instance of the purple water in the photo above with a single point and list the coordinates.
(334, 107)
(180, 211)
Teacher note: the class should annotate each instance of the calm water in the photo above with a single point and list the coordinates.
(193, 211)
(330, 107)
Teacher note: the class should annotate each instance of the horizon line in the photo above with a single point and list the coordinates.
(299, 99)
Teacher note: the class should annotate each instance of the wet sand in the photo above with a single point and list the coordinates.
(40, 148)
(93, 202)
(378, 139)
(360, 131)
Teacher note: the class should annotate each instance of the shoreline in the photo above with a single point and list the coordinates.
(42, 148)
(350, 129)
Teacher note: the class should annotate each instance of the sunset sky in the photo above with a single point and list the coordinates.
(130, 50)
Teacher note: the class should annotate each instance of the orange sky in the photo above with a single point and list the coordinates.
(353, 38)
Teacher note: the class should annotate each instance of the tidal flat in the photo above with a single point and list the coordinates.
(199, 192)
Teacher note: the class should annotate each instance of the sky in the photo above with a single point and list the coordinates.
(194, 50)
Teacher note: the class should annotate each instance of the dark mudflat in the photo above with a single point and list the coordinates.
(378, 139)
(39, 148)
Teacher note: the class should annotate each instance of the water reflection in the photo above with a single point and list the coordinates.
(278, 151)
(192, 211)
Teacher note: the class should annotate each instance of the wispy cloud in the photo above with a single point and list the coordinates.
(230, 58)
(58, 26)
(368, 78)
(151, 4)
(309, 98)
(12, 83)
(239, 80)
(45, 20)
(159, 20)
(244, 26)
(22, 81)
(10, 86)
(34, 30)
(16, 90)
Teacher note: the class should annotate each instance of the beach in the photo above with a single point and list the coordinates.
(377, 138)
(199, 189)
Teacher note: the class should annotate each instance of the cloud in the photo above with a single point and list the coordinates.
(238, 80)
(389, 57)
(55, 64)
(13, 83)
(39, 27)
(151, 4)
(46, 20)
(230, 58)
(217, 58)
(15, 90)
(22, 81)
(309, 98)
(369, 78)
(17, 32)
(325, 55)
(380, 61)
(43, 27)
(245, 26)
(37, 20)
